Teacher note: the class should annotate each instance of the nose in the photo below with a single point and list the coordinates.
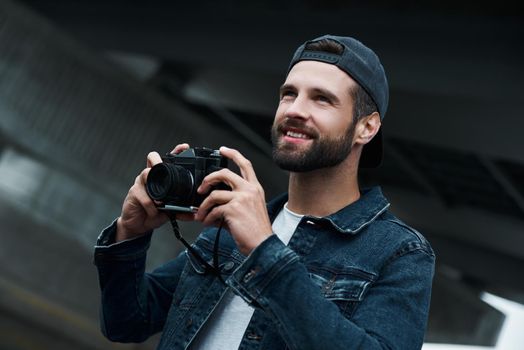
(297, 109)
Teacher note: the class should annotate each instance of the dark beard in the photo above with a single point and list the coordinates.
(323, 153)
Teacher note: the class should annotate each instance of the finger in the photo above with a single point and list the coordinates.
(149, 206)
(245, 166)
(225, 176)
(179, 148)
(153, 158)
(142, 178)
(145, 201)
(215, 216)
(186, 216)
(216, 198)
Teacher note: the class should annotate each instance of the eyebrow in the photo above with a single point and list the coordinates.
(334, 99)
(286, 87)
(316, 90)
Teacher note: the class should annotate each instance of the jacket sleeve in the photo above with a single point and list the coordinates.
(392, 315)
(134, 304)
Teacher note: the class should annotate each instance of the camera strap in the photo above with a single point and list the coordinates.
(213, 269)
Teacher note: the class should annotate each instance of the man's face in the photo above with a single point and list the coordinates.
(313, 125)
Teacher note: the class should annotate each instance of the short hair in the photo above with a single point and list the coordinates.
(363, 103)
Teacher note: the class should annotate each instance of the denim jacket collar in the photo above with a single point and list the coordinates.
(350, 219)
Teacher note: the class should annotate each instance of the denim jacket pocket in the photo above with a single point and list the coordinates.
(196, 276)
(192, 281)
(345, 288)
(228, 259)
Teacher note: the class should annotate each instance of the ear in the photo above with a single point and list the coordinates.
(367, 127)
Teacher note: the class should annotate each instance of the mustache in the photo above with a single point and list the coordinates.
(297, 124)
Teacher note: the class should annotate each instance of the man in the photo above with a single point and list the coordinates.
(325, 266)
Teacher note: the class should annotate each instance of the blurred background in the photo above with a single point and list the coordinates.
(88, 88)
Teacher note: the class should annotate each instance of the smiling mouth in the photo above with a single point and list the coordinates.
(291, 131)
(296, 135)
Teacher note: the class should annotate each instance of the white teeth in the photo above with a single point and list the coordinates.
(296, 135)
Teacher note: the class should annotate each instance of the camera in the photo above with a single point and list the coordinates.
(174, 182)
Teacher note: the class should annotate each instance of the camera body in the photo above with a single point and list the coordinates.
(174, 182)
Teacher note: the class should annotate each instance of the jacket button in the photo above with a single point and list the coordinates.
(229, 265)
(248, 276)
(189, 322)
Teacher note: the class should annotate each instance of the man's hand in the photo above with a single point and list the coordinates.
(243, 209)
(139, 213)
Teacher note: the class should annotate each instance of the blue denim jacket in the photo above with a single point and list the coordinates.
(357, 279)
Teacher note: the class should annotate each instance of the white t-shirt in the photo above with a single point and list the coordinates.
(228, 322)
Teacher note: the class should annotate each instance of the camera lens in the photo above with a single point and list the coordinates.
(167, 181)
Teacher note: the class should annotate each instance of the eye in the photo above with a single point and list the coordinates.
(323, 98)
(287, 94)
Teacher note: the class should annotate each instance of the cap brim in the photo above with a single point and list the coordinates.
(372, 152)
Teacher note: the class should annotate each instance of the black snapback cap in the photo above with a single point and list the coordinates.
(363, 65)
